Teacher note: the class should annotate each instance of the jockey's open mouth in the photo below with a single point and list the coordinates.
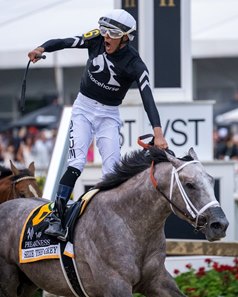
(107, 46)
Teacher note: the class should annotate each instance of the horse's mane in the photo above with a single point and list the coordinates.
(4, 172)
(132, 164)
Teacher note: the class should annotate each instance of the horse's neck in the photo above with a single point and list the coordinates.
(6, 192)
(139, 204)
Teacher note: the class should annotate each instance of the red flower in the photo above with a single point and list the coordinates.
(201, 271)
(208, 260)
(215, 266)
(176, 271)
(189, 266)
(190, 289)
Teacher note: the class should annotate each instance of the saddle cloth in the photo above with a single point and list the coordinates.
(35, 245)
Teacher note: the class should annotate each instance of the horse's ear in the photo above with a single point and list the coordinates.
(173, 160)
(32, 168)
(192, 153)
(15, 171)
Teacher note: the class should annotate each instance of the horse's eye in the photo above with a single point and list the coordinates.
(190, 186)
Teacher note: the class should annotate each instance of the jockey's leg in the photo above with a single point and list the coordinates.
(108, 143)
(80, 136)
(65, 189)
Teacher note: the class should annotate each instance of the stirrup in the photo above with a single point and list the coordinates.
(54, 233)
(52, 217)
(55, 228)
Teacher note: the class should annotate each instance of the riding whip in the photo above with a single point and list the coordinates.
(23, 88)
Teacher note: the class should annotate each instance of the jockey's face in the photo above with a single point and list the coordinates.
(112, 45)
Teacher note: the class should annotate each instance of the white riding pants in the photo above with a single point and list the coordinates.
(90, 118)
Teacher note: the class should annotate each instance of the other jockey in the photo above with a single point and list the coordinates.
(112, 67)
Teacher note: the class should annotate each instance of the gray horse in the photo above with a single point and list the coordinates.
(120, 245)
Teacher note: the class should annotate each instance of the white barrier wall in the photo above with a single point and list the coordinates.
(224, 172)
(185, 125)
(172, 263)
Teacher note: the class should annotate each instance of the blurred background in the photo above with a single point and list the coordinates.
(54, 83)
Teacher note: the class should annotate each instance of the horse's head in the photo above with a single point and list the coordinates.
(192, 197)
(24, 183)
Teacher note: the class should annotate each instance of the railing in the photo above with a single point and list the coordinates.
(189, 247)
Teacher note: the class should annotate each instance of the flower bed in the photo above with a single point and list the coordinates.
(214, 280)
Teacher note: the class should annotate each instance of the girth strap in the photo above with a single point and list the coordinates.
(70, 271)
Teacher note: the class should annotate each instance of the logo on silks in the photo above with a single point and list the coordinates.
(102, 63)
(34, 244)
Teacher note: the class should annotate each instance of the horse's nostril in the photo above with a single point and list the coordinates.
(216, 225)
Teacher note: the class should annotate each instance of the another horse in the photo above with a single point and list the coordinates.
(120, 245)
(15, 183)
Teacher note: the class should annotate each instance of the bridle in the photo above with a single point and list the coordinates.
(20, 179)
(192, 213)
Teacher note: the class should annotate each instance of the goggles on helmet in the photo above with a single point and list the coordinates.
(113, 32)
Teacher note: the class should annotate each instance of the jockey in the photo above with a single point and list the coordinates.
(112, 67)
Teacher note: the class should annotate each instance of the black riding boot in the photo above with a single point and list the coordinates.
(55, 226)
(65, 189)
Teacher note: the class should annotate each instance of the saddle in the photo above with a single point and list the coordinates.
(74, 211)
(35, 245)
